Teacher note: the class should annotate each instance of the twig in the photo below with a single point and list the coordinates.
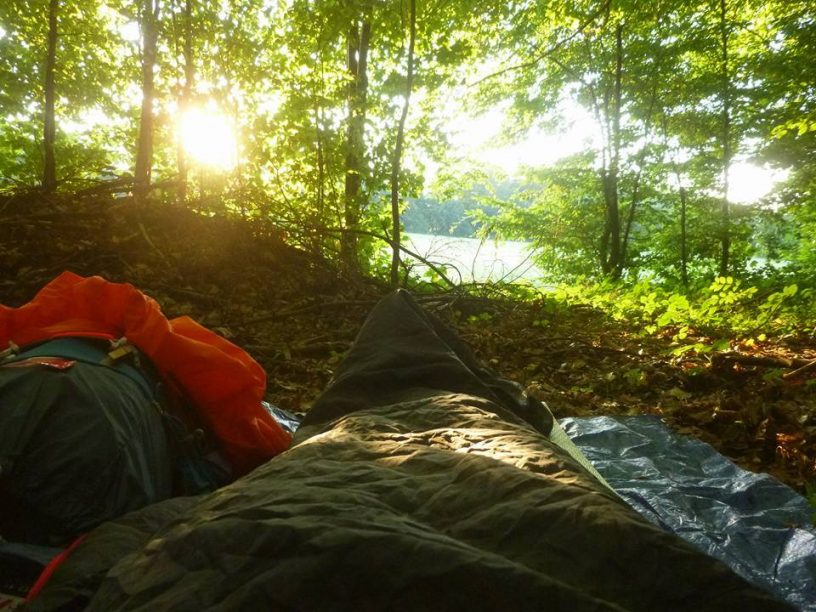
(321, 348)
(299, 228)
(810, 365)
(580, 345)
(151, 243)
(721, 361)
(216, 300)
(309, 350)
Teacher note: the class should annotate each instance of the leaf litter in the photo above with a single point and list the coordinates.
(297, 315)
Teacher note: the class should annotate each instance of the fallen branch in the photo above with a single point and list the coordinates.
(810, 365)
(317, 349)
(724, 361)
(579, 346)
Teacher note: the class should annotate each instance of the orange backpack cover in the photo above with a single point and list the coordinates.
(222, 381)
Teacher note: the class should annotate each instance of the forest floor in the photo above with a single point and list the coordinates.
(297, 316)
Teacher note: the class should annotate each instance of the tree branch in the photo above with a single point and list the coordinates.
(546, 53)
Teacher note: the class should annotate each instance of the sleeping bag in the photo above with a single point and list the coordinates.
(419, 480)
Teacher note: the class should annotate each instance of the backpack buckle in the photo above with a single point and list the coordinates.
(120, 349)
(11, 351)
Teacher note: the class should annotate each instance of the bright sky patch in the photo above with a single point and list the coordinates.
(749, 183)
(208, 137)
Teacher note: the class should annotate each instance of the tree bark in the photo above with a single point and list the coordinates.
(49, 181)
(396, 162)
(612, 232)
(357, 63)
(725, 213)
(144, 150)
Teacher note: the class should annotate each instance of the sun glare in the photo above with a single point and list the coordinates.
(478, 137)
(209, 138)
(749, 183)
(130, 32)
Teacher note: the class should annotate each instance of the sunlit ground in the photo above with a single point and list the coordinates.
(208, 137)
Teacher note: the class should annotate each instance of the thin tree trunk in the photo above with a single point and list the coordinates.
(320, 152)
(602, 117)
(144, 151)
(647, 130)
(321, 163)
(601, 113)
(357, 48)
(186, 93)
(49, 181)
(725, 231)
(683, 245)
(348, 245)
(321, 176)
(603, 250)
(612, 195)
(395, 165)
(683, 208)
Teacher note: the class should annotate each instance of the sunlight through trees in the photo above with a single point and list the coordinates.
(620, 137)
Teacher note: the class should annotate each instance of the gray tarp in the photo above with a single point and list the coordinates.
(757, 525)
(418, 481)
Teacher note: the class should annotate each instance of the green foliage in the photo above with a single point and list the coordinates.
(93, 63)
(650, 75)
(704, 321)
(430, 216)
(556, 209)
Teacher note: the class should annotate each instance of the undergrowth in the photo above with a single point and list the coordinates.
(703, 321)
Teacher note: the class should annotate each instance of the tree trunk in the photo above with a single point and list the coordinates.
(647, 130)
(611, 194)
(725, 230)
(395, 165)
(184, 100)
(144, 150)
(683, 246)
(683, 208)
(357, 63)
(321, 172)
(49, 181)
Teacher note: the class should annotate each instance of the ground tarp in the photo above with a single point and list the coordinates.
(419, 480)
(758, 526)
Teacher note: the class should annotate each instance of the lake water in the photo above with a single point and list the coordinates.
(474, 260)
(470, 260)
